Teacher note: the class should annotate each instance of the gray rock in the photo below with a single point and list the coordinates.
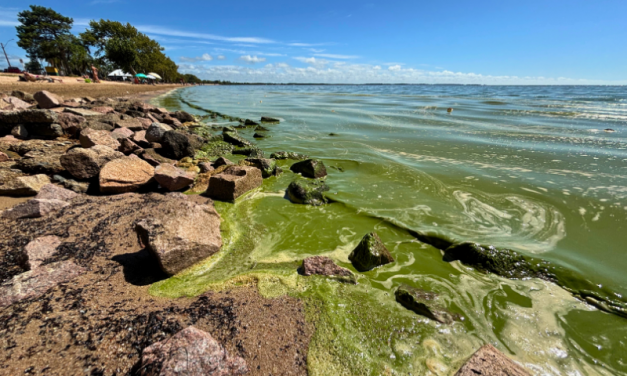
(205, 167)
(173, 178)
(311, 168)
(156, 131)
(71, 184)
(46, 99)
(28, 116)
(266, 119)
(235, 139)
(176, 145)
(129, 147)
(183, 236)
(26, 97)
(221, 161)
(34, 208)
(183, 116)
(86, 163)
(370, 253)
(488, 361)
(99, 126)
(234, 182)
(155, 159)
(35, 283)
(39, 250)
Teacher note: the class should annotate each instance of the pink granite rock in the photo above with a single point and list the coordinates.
(488, 361)
(34, 208)
(38, 250)
(173, 178)
(90, 137)
(46, 99)
(125, 174)
(54, 192)
(322, 265)
(123, 132)
(234, 182)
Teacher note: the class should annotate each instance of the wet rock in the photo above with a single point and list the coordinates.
(89, 137)
(249, 151)
(46, 99)
(234, 182)
(54, 192)
(173, 178)
(267, 166)
(191, 352)
(183, 236)
(126, 174)
(250, 123)
(183, 116)
(259, 135)
(87, 163)
(156, 131)
(288, 155)
(322, 265)
(311, 168)
(222, 162)
(38, 250)
(424, 303)
(24, 185)
(99, 126)
(71, 124)
(19, 131)
(488, 361)
(235, 139)
(120, 133)
(35, 283)
(307, 192)
(34, 208)
(132, 124)
(261, 128)
(128, 147)
(266, 119)
(176, 145)
(370, 253)
(154, 158)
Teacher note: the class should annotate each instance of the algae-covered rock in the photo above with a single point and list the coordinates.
(249, 151)
(288, 155)
(235, 139)
(370, 253)
(511, 264)
(311, 168)
(267, 166)
(307, 192)
(424, 303)
(214, 149)
(322, 265)
(234, 182)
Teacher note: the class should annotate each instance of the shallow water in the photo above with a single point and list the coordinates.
(528, 168)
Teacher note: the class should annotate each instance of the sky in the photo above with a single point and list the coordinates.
(345, 41)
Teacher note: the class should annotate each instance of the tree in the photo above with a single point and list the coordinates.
(45, 34)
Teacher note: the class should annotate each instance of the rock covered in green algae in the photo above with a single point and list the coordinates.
(370, 253)
(235, 139)
(288, 155)
(424, 303)
(513, 265)
(215, 148)
(267, 166)
(249, 151)
(311, 168)
(307, 192)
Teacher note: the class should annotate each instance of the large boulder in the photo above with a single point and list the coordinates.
(71, 124)
(90, 137)
(267, 166)
(35, 283)
(28, 116)
(173, 178)
(87, 163)
(370, 253)
(234, 182)
(488, 361)
(190, 352)
(307, 192)
(311, 168)
(34, 208)
(46, 99)
(176, 145)
(38, 250)
(24, 185)
(424, 303)
(181, 237)
(125, 174)
(156, 131)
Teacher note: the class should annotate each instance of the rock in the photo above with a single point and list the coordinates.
(10, 118)
(87, 114)
(159, 110)
(155, 159)
(46, 99)
(205, 167)
(129, 147)
(146, 122)
(44, 130)
(176, 145)
(34, 208)
(183, 116)
(266, 119)
(38, 162)
(250, 123)
(89, 137)
(322, 265)
(70, 104)
(140, 139)
(288, 155)
(38, 250)
(71, 124)
(234, 182)
(54, 192)
(156, 131)
(26, 97)
(311, 168)
(258, 135)
(125, 174)
(99, 126)
(370, 253)
(103, 109)
(267, 166)
(24, 185)
(190, 352)
(261, 128)
(87, 163)
(182, 236)
(424, 303)
(110, 119)
(120, 133)
(132, 124)
(222, 162)
(488, 361)
(73, 185)
(173, 178)
(249, 151)
(17, 103)
(3, 157)
(36, 282)
(307, 192)
(235, 139)
(175, 123)
(19, 131)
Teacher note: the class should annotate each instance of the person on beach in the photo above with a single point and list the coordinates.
(95, 73)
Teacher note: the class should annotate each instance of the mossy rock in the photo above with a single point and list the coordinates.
(261, 128)
(288, 155)
(424, 303)
(214, 149)
(235, 139)
(267, 166)
(311, 168)
(370, 253)
(307, 192)
(259, 135)
(249, 151)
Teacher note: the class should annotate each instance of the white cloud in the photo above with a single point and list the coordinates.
(204, 57)
(377, 67)
(334, 56)
(319, 63)
(180, 33)
(221, 57)
(395, 68)
(252, 59)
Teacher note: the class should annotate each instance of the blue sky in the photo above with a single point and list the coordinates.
(486, 42)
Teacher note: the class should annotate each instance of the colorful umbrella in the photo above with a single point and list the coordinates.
(140, 75)
(155, 75)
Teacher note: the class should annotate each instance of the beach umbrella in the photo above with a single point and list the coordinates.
(140, 75)
(151, 77)
(155, 75)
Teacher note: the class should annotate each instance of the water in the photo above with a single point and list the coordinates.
(528, 168)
